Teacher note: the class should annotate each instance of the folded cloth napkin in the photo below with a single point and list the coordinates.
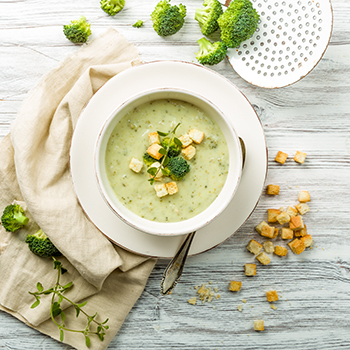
(34, 168)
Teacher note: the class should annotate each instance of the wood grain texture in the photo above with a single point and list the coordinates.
(312, 115)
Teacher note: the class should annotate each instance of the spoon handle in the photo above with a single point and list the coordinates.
(175, 267)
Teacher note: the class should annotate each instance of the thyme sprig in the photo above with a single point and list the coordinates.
(57, 297)
(153, 171)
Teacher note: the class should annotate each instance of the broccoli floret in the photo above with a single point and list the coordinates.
(167, 19)
(112, 7)
(138, 24)
(148, 160)
(208, 15)
(238, 23)
(174, 149)
(41, 245)
(77, 31)
(177, 168)
(13, 218)
(210, 53)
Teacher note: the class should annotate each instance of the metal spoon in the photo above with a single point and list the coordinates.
(173, 271)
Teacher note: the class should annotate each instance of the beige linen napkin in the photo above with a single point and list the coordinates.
(34, 167)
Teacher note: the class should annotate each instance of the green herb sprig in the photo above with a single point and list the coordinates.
(153, 171)
(57, 297)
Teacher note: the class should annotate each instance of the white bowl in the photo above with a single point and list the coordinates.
(216, 207)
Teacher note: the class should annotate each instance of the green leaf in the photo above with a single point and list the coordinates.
(68, 285)
(77, 310)
(63, 270)
(101, 336)
(35, 304)
(61, 335)
(87, 341)
(177, 142)
(40, 287)
(48, 291)
(106, 327)
(105, 322)
(162, 133)
(165, 173)
(151, 181)
(152, 171)
(166, 161)
(57, 264)
(82, 304)
(63, 316)
(162, 151)
(56, 309)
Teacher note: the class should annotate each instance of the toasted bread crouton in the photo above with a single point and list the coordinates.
(189, 152)
(281, 157)
(161, 190)
(303, 208)
(291, 211)
(272, 215)
(153, 151)
(250, 269)
(159, 175)
(271, 296)
(268, 247)
(153, 137)
(280, 251)
(273, 190)
(196, 135)
(296, 223)
(260, 226)
(254, 247)
(185, 140)
(302, 232)
(258, 325)
(307, 240)
(283, 218)
(299, 157)
(135, 165)
(268, 231)
(235, 286)
(263, 259)
(287, 233)
(171, 187)
(304, 196)
(297, 246)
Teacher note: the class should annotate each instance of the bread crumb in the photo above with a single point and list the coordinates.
(244, 300)
(273, 307)
(192, 301)
(239, 308)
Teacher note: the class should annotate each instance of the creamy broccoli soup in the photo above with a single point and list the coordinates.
(130, 140)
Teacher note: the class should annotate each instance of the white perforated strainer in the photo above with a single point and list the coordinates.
(291, 38)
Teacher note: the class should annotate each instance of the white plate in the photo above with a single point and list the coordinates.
(182, 75)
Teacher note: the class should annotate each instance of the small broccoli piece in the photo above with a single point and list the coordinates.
(208, 15)
(238, 23)
(210, 53)
(138, 24)
(41, 245)
(112, 7)
(174, 149)
(13, 218)
(148, 160)
(177, 168)
(77, 31)
(167, 19)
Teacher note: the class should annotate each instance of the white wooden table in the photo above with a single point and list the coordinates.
(312, 116)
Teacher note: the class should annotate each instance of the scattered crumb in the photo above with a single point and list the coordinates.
(244, 301)
(273, 307)
(192, 301)
(239, 308)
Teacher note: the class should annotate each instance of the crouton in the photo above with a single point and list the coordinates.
(299, 157)
(267, 231)
(189, 152)
(171, 187)
(135, 165)
(258, 325)
(250, 269)
(275, 234)
(283, 218)
(196, 135)
(263, 259)
(260, 226)
(254, 246)
(303, 208)
(268, 247)
(161, 190)
(185, 140)
(153, 151)
(302, 232)
(271, 296)
(291, 211)
(235, 286)
(297, 246)
(280, 251)
(153, 137)
(273, 190)
(272, 215)
(296, 223)
(307, 240)
(159, 175)
(287, 233)
(281, 157)
(304, 196)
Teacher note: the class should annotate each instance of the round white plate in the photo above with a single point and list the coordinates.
(180, 75)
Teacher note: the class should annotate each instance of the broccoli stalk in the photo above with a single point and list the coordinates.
(177, 168)
(41, 245)
(112, 7)
(238, 23)
(13, 218)
(167, 19)
(77, 31)
(208, 15)
(210, 53)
